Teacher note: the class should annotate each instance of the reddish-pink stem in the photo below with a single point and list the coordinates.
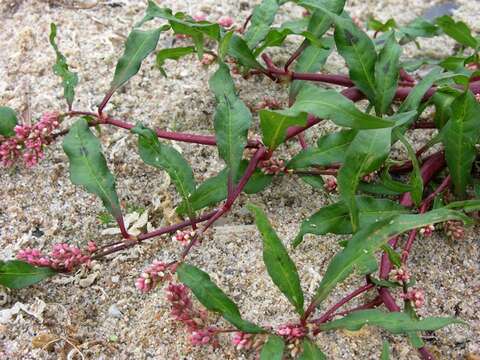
(328, 314)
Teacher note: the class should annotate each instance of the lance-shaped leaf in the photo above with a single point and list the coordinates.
(88, 166)
(232, 119)
(366, 153)
(213, 298)
(238, 49)
(273, 348)
(69, 79)
(459, 137)
(165, 157)
(214, 189)
(330, 149)
(260, 22)
(274, 126)
(419, 27)
(359, 53)
(173, 54)
(395, 322)
(457, 30)
(335, 218)
(371, 238)
(311, 61)
(329, 104)
(311, 351)
(138, 46)
(416, 181)
(8, 121)
(15, 274)
(416, 95)
(443, 111)
(279, 265)
(378, 26)
(386, 74)
(181, 23)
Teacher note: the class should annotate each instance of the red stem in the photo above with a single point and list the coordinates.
(328, 314)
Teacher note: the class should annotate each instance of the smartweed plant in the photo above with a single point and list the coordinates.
(379, 198)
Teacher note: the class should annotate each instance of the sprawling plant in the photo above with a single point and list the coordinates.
(380, 197)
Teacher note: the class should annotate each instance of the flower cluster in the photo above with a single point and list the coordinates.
(369, 178)
(268, 103)
(226, 21)
(29, 141)
(454, 229)
(400, 275)
(183, 236)
(63, 257)
(416, 297)
(242, 341)
(151, 276)
(330, 184)
(272, 166)
(292, 331)
(182, 310)
(427, 231)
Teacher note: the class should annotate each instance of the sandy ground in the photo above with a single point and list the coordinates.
(100, 311)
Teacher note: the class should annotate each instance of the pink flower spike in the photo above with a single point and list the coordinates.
(292, 331)
(226, 21)
(330, 184)
(415, 296)
(272, 166)
(202, 336)
(427, 231)
(400, 275)
(242, 341)
(151, 276)
(199, 17)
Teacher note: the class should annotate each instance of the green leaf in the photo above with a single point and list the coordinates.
(419, 27)
(312, 60)
(224, 45)
(214, 189)
(371, 238)
(8, 121)
(393, 256)
(232, 119)
(359, 53)
(274, 126)
(260, 22)
(174, 54)
(366, 153)
(416, 181)
(69, 79)
(183, 24)
(212, 297)
(88, 166)
(395, 322)
(335, 218)
(330, 149)
(329, 104)
(138, 46)
(378, 26)
(378, 189)
(457, 30)
(15, 274)
(239, 50)
(166, 157)
(279, 265)
(386, 74)
(443, 110)
(459, 137)
(416, 95)
(273, 348)
(385, 355)
(311, 351)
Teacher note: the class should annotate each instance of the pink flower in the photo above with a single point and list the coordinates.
(92, 246)
(454, 229)
(207, 59)
(292, 331)
(272, 166)
(29, 139)
(203, 336)
(151, 276)
(427, 231)
(477, 96)
(182, 307)
(63, 257)
(399, 275)
(226, 21)
(415, 296)
(183, 237)
(330, 184)
(369, 177)
(242, 341)
(268, 103)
